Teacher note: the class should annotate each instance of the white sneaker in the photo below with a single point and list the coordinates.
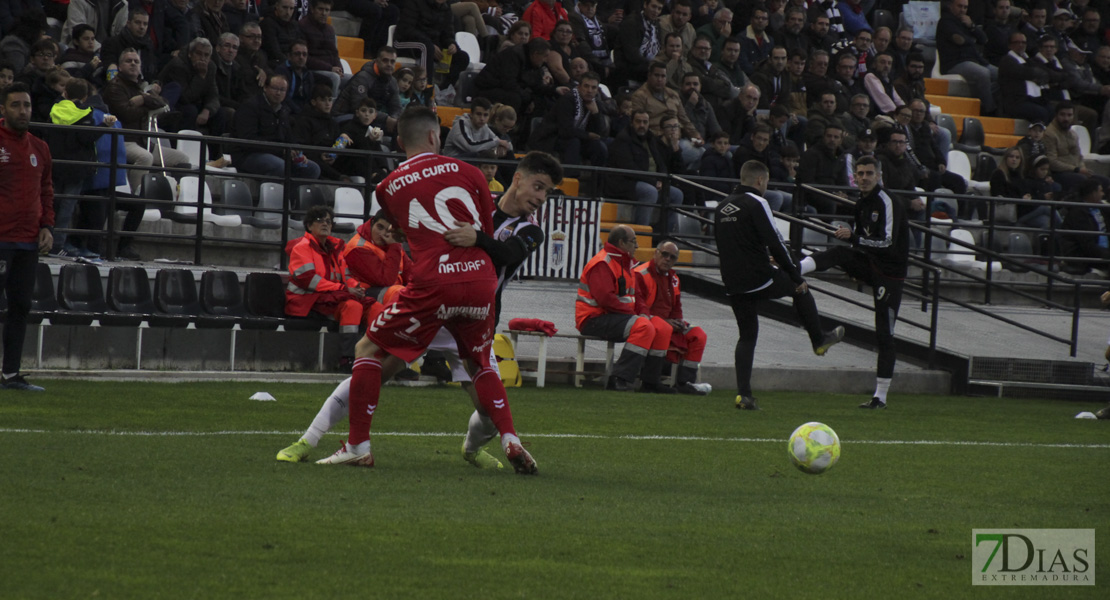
(349, 456)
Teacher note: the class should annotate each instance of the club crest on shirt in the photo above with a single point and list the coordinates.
(874, 216)
(34, 161)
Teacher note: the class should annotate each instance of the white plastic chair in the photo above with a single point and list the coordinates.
(469, 44)
(348, 201)
(405, 61)
(191, 148)
(960, 164)
(189, 192)
(1084, 137)
(963, 257)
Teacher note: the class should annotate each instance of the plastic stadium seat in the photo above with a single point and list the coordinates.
(80, 290)
(266, 298)
(348, 201)
(973, 136)
(1084, 138)
(985, 167)
(185, 210)
(175, 296)
(464, 90)
(946, 121)
(157, 187)
(221, 303)
(271, 197)
(468, 43)
(884, 18)
(129, 290)
(237, 200)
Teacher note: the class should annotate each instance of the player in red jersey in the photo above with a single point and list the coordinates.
(452, 287)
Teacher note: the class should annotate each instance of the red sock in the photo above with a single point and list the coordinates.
(366, 386)
(491, 393)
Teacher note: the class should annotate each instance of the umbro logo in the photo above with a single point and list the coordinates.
(729, 209)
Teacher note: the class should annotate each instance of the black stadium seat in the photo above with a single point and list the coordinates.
(80, 291)
(266, 298)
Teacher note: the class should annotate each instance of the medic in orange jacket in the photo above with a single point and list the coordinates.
(657, 287)
(378, 261)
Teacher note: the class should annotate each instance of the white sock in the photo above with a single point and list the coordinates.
(882, 384)
(507, 439)
(333, 411)
(808, 265)
(10, 375)
(479, 432)
(361, 448)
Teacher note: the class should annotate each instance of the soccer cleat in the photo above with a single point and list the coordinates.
(19, 383)
(1104, 413)
(296, 453)
(344, 456)
(691, 389)
(522, 461)
(746, 403)
(481, 459)
(830, 338)
(617, 384)
(873, 403)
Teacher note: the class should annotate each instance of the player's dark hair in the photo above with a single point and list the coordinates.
(17, 87)
(317, 213)
(368, 102)
(415, 123)
(541, 163)
(480, 102)
(321, 90)
(870, 160)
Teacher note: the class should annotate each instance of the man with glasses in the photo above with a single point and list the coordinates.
(132, 104)
(251, 56)
(43, 53)
(659, 293)
(1020, 84)
(716, 85)
(301, 80)
(266, 118)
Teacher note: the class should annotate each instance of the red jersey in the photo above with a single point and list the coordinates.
(424, 196)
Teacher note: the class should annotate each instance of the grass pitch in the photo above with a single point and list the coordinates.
(125, 490)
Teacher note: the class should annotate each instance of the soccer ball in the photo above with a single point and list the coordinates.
(814, 448)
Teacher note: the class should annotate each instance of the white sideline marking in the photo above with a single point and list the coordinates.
(581, 436)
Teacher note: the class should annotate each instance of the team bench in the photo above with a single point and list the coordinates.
(579, 371)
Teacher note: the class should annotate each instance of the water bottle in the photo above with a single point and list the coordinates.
(340, 143)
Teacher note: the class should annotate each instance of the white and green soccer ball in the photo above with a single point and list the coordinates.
(814, 448)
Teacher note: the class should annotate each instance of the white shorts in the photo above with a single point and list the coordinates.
(445, 342)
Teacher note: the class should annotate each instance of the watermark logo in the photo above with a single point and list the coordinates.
(1033, 557)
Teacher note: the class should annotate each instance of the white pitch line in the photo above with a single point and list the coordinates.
(580, 436)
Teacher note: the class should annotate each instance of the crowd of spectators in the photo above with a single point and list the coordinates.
(659, 86)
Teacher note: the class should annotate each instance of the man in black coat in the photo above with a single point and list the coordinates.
(878, 256)
(431, 24)
(748, 241)
(639, 41)
(265, 118)
(823, 164)
(516, 76)
(575, 126)
(631, 150)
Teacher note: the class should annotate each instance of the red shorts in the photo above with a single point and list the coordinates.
(406, 327)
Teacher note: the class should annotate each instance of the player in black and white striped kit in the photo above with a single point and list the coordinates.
(878, 256)
(516, 235)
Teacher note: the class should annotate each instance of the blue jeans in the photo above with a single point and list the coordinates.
(261, 163)
(63, 210)
(648, 197)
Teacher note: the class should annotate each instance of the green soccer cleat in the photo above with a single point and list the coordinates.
(746, 403)
(830, 339)
(481, 459)
(296, 453)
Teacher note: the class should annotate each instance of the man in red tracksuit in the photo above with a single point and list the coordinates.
(606, 307)
(657, 290)
(27, 203)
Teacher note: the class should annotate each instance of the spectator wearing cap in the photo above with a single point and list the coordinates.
(865, 146)
(957, 39)
(1021, 83)
(1062, 86)
(1062, 22)
(1032, 145)
(1088, 35)
(1087, 90)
